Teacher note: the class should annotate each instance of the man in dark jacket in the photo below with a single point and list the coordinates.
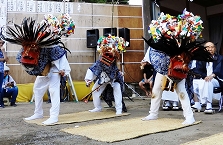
(205, 81)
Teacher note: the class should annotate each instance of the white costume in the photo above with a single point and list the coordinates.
(157, 91)
(97, 93)
(105, 71)
(51, 81)
(43, 55)
(174, 43)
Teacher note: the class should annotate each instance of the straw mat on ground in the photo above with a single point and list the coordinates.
(80, 117)
(126, 129)
(216, 139)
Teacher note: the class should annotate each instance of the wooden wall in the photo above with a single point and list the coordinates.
(88, 16)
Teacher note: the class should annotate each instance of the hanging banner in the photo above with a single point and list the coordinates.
(41, 6)
(50, 7)
(21, 5)
(69, 8)
(59, 7)
(31, 6)
(11, 5)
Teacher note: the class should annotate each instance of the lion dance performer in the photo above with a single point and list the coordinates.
(105, 72)
(44, 56)
(173, 44)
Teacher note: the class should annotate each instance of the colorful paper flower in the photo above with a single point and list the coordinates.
(118, 43)
(60, 25)
(184, 25)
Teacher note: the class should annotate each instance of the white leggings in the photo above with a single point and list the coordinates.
(116, 91)
(181, 92)
(42, 83)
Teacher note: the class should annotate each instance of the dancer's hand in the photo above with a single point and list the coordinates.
(62, 72)
(88, 83)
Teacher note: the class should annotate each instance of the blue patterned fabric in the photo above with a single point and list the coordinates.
(159, 60)
(47, 55)
(1, 63)
(112, 71)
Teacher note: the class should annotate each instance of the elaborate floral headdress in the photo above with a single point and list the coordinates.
(33, 36)
(110, 48)
(174, 35)
(117, 43)
(61, 25)
(184, 25)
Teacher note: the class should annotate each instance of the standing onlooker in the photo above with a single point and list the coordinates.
(147, 78)
(3, 58)
(9, 88)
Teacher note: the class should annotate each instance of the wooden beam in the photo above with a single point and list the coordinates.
(146, 9)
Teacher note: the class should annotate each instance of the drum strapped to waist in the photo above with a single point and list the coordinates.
(178, 68)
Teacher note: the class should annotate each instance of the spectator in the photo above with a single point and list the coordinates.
(9, 88)
(205, 80)
(147, 78)
(3, 58)
(170, 100)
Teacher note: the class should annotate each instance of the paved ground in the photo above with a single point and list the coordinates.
(14, 131)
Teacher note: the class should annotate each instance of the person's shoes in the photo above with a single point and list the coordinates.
(95, 110)
(166, 105)
(189, 121)
(150, 117)
(209, 111)
(175, 106)
(33, 117)
(14, 105)
(50, 121)
(2, 106)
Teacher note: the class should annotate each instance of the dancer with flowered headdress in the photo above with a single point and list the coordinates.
(105, 72)
(43, 55)
(173, 44)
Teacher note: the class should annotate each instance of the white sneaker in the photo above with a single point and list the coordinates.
(50, 121)
(166, 105)
(33, 117)
(149, 117)
(95, 110)
(209, 111)
(175, 105)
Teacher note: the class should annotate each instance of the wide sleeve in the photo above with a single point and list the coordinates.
(218, 67)
(12, 80)
(63, 64)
